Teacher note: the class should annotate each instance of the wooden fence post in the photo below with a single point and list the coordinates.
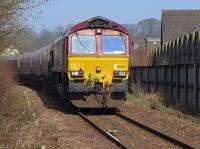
(184, 49)
(196, 81)
(171, 83)
(147, 79)
(174, 52)
(196, 47)
(178, 82)
(192, 48)
(165, 80)
(186, 84)
(134, 74)
(179, 54)
(188, 49)
(156, 78)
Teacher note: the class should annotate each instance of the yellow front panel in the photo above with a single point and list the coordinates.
(107, 64)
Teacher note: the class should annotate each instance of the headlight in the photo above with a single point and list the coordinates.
(119, 74)
(77, 73)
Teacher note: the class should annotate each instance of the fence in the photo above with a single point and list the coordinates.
(179, 83)
(183, 50)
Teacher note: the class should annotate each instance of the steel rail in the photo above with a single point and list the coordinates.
(103, 132)
(156, 132)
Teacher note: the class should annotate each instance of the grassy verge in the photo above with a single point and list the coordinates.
(18, 122)
(157, 102)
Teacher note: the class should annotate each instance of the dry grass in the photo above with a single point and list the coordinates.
(152, 100)
(158, 102)
(19, 126)
(141, 57)
(6, 78)
(18, 123)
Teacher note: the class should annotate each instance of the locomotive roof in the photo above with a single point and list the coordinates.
(35, 53)
(98, 22)
(41, 50)
(26, 55)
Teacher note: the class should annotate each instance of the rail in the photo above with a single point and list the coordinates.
(156, 132)
(103, 132)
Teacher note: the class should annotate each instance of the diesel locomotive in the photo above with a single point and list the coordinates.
(88, 65)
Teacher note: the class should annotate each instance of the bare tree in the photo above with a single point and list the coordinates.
(28, 40)
(13, 17)
(132, 29)
(149, 28)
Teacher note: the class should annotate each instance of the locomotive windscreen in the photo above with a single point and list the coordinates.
(83, 44)
(114, 44)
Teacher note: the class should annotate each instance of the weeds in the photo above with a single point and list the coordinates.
(6, 78)
(141, 57)
(136, 88)
(17, 122)
(157, 102)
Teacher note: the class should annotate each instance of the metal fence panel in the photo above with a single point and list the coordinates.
(179, 83)
(182, 50)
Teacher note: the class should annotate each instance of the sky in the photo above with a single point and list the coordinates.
(64, 12)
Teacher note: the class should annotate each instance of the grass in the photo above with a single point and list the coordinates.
(18, 122)
(148, 100)
(6, 78)
(140, 57)
(157, 102)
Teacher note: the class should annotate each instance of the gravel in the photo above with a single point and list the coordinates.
(58, 127)
(172, 123)
(132, 136)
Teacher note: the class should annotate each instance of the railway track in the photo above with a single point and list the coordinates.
(102, 131)
(152, 130)
(115, 140)
(156, 132)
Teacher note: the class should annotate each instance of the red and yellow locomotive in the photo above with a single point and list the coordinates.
(89, 65)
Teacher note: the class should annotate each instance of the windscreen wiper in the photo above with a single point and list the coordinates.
(80, 41)
(123, 39)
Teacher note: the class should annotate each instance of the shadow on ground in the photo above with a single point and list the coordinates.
(52, 100)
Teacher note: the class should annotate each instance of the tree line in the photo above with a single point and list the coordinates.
(150, 27)
(15, 28)
(30, 40)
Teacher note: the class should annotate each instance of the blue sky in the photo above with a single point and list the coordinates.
(63, 12)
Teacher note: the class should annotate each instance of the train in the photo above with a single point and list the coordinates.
(87, 65)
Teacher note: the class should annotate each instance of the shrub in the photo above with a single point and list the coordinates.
(141, 57)
(6, 78)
